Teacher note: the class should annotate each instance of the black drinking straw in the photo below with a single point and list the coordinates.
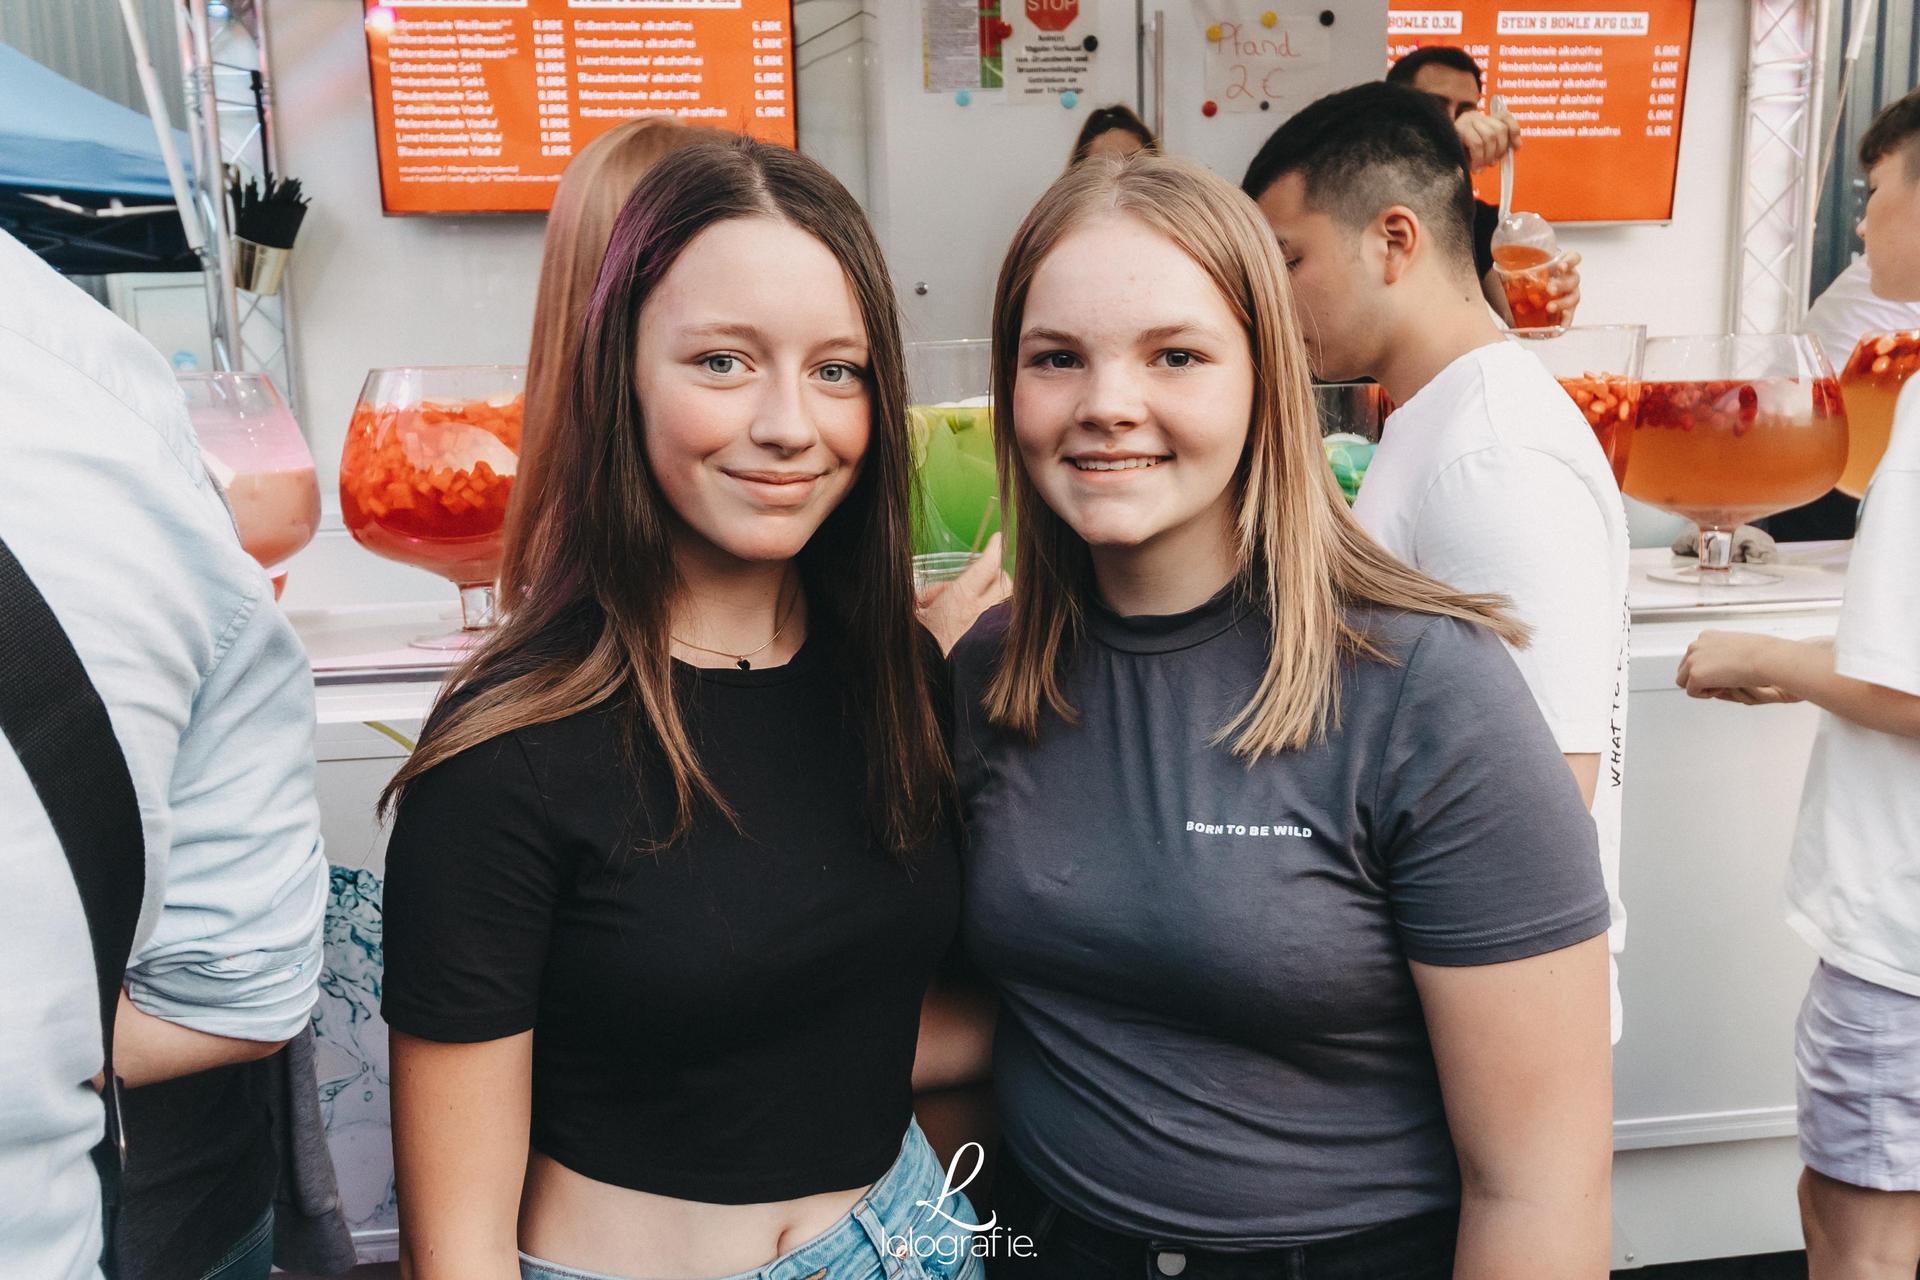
(270, 216)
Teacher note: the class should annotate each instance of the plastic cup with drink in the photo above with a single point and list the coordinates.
(1526, 253)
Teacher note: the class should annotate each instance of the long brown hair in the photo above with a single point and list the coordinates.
(1304, 562)
(591, 194)
(591, 624)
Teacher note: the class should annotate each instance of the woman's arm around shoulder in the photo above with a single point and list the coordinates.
(461, 1114)
(1494, 874)
(1526, 1075)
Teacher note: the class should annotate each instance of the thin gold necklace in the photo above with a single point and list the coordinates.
(740, 659)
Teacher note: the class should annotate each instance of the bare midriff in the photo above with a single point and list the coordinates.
(575, 1221)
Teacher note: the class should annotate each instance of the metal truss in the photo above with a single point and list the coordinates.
(1779, 173)
(229, 100)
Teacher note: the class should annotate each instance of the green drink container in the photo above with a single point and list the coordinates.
(956, 495)
(1350, 417)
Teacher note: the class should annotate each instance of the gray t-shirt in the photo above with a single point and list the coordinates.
(1209, 1030)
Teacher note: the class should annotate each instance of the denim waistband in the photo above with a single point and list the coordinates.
(898, 1225)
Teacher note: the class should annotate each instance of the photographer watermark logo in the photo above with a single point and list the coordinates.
(941, 1237)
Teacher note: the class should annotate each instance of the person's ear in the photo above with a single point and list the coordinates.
(1399, 230)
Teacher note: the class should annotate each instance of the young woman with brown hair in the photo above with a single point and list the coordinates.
(673, 862)
(1293, 909)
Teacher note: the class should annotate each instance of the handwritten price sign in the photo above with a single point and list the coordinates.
(1254, 66)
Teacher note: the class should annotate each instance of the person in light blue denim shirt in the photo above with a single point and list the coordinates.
(107, 505)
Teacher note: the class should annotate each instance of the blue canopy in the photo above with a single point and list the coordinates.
(61, 141)
(57, 136)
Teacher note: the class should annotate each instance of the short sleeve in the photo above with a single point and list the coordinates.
(236, 949)
(1878, 638)
(1523, 524)
(472, 879)
(1490, 855)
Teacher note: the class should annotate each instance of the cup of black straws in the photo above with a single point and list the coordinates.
(266, 218)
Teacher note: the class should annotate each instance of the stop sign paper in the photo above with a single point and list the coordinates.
(1052, 15)
(1045, 60)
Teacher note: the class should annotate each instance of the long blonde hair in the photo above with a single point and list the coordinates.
(591, 194)
(1304, 561)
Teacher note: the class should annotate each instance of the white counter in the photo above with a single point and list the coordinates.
(1711, 978)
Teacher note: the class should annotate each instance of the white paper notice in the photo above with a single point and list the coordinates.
(1254, 67)
(1046, 55)
(950, 45)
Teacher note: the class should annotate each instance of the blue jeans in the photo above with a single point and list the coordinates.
(895, 1232)
(252, 1257)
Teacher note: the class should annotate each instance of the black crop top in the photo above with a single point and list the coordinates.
(731, 1021)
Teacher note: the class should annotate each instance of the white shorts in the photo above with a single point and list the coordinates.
(1857, 1056)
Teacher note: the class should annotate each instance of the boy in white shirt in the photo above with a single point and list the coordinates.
(1853, 888)
(1487, 476)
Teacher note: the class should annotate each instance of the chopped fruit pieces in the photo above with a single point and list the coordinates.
(1524, 274)
(1609, 403)
(428, 484)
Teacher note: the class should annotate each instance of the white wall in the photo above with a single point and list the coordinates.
(1673, 278)
(950, 183)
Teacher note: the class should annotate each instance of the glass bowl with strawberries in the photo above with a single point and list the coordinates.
(1599, 367)
(1732, 428)
(1870, 384)
(427, 471)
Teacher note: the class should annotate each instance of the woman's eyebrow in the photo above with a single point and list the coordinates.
(1146, 337)
(753, 335)
(1181, 329)
(725, 329)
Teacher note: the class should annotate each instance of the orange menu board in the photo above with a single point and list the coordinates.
(1597, 88)
(479, 104)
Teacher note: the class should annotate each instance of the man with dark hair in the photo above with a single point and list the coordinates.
(1337, 167)
(1452, 76)
(1853, 886)
(1449, 71)
(1896, 130)
(1487, 477)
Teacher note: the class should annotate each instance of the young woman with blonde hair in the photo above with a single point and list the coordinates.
(674, 860)
(1293, 909)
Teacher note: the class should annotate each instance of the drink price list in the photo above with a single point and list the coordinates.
(479, 104)
(1597, 89)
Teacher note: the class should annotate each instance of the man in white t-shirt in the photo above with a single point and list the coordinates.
(1849, 309)
(1853, 888)
(1487, 476)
